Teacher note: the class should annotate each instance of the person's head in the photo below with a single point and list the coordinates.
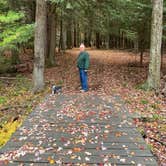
(82, 47)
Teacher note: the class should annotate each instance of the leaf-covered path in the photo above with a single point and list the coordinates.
(78, 129)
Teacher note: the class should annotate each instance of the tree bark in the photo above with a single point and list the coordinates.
(97, 40)
(78, 35)
(89, 38)
(69, 35)
(136, 46)
(141, 57)
(75, 34)
(155, 48)
(86, 39)
(40, 46)
(62, 40)
(107, 41)
(52, 40)
(162, 54)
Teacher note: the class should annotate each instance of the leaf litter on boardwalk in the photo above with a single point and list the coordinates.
(107, 76)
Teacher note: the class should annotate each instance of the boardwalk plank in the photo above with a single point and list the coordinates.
(77, 129)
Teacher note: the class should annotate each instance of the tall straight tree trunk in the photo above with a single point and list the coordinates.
(97, 40)
(75, 34)
(61, 35)
(162, 54)
(155, 50)
(86, 39)
(40, 39)
(110, 41)
(107, 41)
(69, 34)
(48, 24)
(123, 40)
(136, 46)
(62, 41)
(89, 38)
(141, 57)
(78, 35)
(64, 38)
(52, 40)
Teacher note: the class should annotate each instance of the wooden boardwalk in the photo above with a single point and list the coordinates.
(78, 129)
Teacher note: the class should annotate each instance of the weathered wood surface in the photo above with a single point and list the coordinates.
(78, 129)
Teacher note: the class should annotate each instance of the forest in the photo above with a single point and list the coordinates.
(126, 40)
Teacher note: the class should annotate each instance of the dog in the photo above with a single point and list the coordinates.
(56, 89)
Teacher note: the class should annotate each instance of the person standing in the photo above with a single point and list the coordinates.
(83, 66)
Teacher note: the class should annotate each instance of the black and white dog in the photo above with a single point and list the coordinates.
(56, 89)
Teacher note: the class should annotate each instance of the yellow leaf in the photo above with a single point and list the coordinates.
(51, 161)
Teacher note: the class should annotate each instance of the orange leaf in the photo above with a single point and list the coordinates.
(76, 149)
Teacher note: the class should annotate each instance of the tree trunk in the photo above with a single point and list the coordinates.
(52, 40)
(86, 39)
(40, 38)
(155, 50)
(89, 38)
(69, 35)
(136, 46)
(141, 57)
(15, 57)
(78, 35)
(107, 41)
(64, 38)
(110, 41)
(75, 34)
(97, 40)
(123, 40)
(48, 24)
(162, 54)
(61, 35)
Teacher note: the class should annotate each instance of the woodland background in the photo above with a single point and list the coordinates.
(118, 37)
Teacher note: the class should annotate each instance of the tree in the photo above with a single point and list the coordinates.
(14, 32)
(40, 45)
(155, 48)
(51, 38)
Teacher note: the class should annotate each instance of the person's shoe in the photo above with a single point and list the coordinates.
(82, 90)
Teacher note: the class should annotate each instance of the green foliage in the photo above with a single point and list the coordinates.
(16, 35)
(14, 32)
(10, 17)
(110, 17)
(5, 65)
(156, 117)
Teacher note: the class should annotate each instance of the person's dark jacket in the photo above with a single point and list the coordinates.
(83, 60)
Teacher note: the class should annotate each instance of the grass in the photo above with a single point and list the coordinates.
(143, 87)
(2, 100)
(144, 101)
